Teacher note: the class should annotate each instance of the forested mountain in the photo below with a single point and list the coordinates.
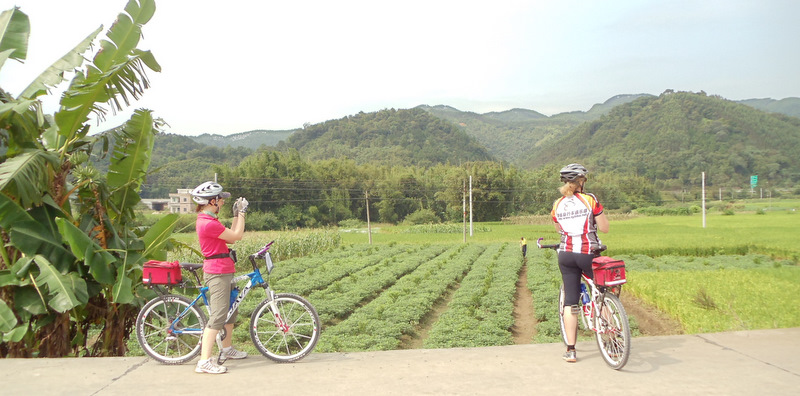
(669, 139)
(180, 162)
(251, 139)
(510, 135)
(676, 136)
(788, 106)
(397, 137)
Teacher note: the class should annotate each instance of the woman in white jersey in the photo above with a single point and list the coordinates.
(578, 216)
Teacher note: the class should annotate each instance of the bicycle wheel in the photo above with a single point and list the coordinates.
(613, 332)
(289, 334)
(165, 341)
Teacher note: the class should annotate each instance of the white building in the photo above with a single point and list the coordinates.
(181, 202)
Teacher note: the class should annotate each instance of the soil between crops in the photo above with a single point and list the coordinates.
(651, 321)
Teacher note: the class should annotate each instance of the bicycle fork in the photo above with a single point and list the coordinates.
(273, 306)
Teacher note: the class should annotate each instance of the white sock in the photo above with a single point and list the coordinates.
(226, 349)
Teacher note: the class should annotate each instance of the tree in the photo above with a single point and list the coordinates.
(72, 254)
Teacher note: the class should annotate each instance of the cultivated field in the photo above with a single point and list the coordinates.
(423, 287)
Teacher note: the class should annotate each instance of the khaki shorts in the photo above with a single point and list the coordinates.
(219, 300)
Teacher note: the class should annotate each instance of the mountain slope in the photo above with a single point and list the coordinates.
(788, 106)
(679, 135)
(251, 139)
(511, 135)
(393, 137)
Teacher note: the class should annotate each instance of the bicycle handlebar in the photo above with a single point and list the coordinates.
(597, 251)
(259, 255)
(539, 244)
(264, 250)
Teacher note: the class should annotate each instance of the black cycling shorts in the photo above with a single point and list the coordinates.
(571, 265)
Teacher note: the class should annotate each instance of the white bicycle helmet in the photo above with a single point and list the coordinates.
(572, 172)
(208, 191)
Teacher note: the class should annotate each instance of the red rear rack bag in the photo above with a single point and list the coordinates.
(161, 273)
(608, 271)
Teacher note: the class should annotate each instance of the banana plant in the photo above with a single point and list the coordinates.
(69, 235)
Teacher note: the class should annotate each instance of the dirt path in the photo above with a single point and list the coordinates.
(425, 324)
(524, 322)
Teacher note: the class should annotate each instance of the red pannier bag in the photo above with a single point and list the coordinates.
(161, 273)
(608, 271)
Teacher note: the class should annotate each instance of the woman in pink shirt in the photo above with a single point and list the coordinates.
(218, 268)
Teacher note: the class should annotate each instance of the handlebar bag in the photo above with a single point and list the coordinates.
(161, 273)
(608, 271)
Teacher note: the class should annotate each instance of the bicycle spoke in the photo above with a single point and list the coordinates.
(288, 333)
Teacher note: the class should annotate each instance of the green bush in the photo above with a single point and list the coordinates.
(351, 223)
(422, 216)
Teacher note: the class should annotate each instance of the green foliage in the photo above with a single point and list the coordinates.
(421, 216)
(480, 312)
(723, 298)
(72, 253)
(380, 324)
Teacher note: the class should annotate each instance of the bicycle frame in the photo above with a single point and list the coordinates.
(254, 279)
(594, 309)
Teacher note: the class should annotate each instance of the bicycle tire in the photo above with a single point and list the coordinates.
(153, 324)
(613, 332)
(291, 339)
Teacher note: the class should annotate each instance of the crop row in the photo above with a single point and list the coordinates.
(481, 311)
(324, 270)
(285, 268)
(341, 297)
(544, 281)
(396, 312)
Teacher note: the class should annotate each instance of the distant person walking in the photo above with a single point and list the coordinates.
(523, 243)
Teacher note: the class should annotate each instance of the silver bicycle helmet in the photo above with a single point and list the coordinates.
(208, 191)
(572, 172)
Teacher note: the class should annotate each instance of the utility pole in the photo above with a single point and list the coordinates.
(704, 200)
(464, 208)
(369, 226)
(470, 205)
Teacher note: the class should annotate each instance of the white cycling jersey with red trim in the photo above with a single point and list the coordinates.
(575, 216)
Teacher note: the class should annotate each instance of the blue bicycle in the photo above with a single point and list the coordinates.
(284, 327)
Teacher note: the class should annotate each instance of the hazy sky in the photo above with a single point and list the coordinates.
(233, 66)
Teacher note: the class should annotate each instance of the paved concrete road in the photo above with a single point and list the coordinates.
(745, 363)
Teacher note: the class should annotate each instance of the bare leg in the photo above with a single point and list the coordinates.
(228, 341)
(570, 325)
(209, 339)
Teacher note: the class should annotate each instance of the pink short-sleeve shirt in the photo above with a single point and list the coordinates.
(208, 231)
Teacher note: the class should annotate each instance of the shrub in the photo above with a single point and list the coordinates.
(351, 223)
(422, 216)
